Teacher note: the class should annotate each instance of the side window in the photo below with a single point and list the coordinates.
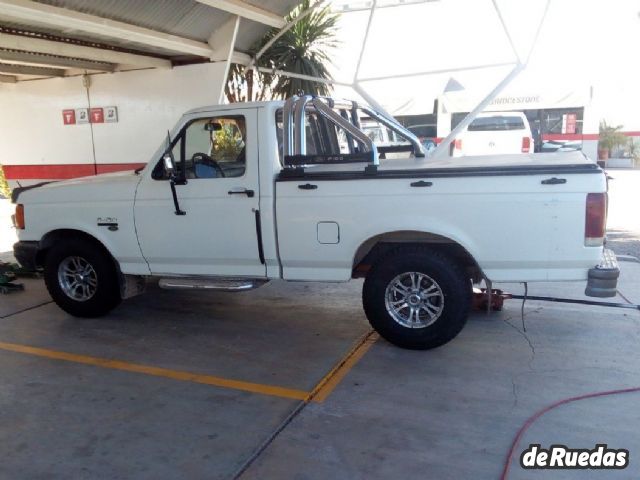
(212, 147)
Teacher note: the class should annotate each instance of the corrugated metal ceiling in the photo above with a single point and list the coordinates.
(184, 18)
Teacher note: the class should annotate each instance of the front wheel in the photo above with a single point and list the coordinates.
(81, 278)
(417, 298)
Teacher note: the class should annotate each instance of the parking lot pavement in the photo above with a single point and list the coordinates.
(75, 402)
(452, 412)
(629, 283)
(35, 295)
(446, 413)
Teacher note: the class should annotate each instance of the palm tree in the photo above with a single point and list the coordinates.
(303, 49)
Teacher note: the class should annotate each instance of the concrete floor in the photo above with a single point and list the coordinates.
(447, 413)
(200, 385)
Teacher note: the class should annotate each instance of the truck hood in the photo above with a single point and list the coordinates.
(106, 187)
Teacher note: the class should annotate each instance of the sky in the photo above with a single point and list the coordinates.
(585, 45)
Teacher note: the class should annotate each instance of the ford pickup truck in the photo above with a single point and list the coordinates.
(241, 194)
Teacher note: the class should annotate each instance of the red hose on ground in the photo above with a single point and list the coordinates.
(537, 415)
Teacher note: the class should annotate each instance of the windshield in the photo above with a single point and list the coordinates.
(499, 122)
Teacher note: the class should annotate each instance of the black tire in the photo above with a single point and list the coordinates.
(453, 299)
(106, 295)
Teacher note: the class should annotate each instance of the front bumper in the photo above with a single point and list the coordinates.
(603, 279)
(25, 253)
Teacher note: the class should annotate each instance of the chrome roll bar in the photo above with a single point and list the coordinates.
(299, 130)
(342, 114)
(348, 127)
(287, 125)
(396, 127)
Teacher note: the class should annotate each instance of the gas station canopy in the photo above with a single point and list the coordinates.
(55, 38)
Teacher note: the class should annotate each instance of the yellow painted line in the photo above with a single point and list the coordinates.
(319, 394)
(160, 372)
(332, 379)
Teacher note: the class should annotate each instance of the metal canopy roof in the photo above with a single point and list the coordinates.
(62, 37)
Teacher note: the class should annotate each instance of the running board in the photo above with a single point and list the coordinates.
(210, 283)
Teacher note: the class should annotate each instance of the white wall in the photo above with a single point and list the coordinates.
(149, 103)
(31, 129)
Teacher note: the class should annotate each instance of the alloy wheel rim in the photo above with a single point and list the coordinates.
(77, 278)
(414, 300)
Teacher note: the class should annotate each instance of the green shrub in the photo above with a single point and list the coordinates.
(4, 185)
(611, 137)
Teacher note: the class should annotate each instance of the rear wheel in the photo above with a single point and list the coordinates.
(417, 298)
(82, 278)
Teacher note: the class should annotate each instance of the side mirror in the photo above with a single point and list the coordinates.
(170, 168)
(169, 164)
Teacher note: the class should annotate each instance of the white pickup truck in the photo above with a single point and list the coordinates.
(244, 193)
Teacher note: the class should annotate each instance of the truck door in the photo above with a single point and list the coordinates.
(216, 160)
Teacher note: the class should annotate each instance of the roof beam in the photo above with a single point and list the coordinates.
(36, 59)
(63, 49)
(241, 58)
(223, 40)
(248, 11)
(26, 70)
(63, 18)
(8, 79)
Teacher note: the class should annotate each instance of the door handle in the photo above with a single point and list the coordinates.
(421, 183)
(554, 181)
(242, 191)
(308, 186)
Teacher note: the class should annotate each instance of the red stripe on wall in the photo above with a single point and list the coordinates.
(61, 172)
(581, 136)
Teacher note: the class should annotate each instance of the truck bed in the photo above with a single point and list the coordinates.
(517, 164)
(527, 228)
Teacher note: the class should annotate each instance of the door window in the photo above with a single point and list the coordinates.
(211, 147)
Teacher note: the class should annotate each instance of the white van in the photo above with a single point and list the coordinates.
(494, 133)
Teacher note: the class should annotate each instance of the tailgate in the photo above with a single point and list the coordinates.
(492, 143)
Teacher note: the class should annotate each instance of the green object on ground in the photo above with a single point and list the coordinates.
(8, 276)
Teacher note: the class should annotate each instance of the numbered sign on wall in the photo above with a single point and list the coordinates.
(79, 116)
(110, 114)
(69, 117)
(82, 115)
(96, 115)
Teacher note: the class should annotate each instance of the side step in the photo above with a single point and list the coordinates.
(210, 283)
